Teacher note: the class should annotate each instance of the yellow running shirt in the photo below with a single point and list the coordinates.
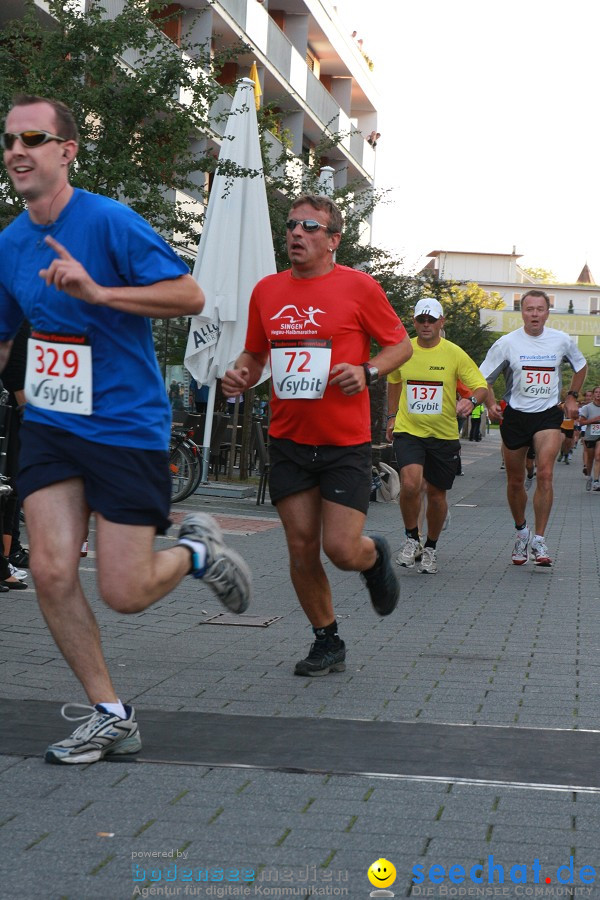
(428, 400)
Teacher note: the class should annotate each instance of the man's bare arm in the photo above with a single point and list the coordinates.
(246, 372)
(5, 348)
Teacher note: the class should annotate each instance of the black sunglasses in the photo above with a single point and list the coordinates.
(307, 224)
(425, 319)
(28, 138)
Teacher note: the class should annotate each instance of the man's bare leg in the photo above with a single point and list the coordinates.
(514, 460)
(301, 515)
(54, 561)
(546, 444)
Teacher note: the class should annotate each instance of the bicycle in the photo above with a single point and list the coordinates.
(185, 463)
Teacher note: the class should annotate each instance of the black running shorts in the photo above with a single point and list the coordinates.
(518, 428)
(342, 474)
(124, 484)
(439, 458)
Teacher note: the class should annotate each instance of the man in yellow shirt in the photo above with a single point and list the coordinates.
(422, 411)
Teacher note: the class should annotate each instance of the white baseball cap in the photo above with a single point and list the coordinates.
(429, 307)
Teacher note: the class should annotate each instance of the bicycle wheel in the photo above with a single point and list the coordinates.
(182, 465)
(197, 451)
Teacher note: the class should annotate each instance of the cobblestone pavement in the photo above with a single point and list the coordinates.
(481, 643)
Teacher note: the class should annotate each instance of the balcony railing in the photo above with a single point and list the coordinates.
(236, 9)
(279, 49)
(322, 103)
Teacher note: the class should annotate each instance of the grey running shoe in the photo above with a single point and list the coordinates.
(528, 482)
(381, 579)
(225, 571)
(588, 483)
(428, 561)
(596, 486)
(102, 734)
(325, 656)
(410, 553)
(539, 551)
(520, 553)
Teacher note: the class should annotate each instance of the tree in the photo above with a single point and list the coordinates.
(462, 303)
(592, 378)
(545, 276)
(135, 134)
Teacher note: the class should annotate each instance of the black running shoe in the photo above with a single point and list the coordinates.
(381, 580)
(325, 656)
(20, 558)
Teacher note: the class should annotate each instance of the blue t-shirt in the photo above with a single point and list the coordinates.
(117, 248)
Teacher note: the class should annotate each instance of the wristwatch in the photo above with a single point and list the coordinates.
(371, 374)
(474, 401)
(573, 394)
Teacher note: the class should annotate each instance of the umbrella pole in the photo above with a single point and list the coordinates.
(210, 410)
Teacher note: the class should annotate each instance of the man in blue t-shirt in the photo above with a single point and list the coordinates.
(89, 273)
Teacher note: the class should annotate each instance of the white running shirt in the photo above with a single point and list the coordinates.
(531, 367)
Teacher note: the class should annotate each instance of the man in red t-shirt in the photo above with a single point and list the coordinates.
(315, 322)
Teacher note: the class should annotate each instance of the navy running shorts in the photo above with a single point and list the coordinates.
(342, 474)
(518, 428)
(439, 458)
(126, 485)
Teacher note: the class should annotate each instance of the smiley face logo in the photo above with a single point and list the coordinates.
(381, 873)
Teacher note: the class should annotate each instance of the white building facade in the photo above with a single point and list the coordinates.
(574, 308)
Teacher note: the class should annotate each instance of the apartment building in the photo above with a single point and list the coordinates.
(574, 308)
(312, 73)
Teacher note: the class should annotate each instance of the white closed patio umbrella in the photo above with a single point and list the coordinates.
(235, 251)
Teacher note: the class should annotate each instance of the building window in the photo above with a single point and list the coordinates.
(551, 299)
(313, 62)
(594, 306)
(597, 340)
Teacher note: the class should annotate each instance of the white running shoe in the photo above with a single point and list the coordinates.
(224, 570)
(102, 734)
(528, 482)
(596, 486)
(588, 483)
(410, 553)
(20, 574)
(539, 551)
(520, 553)
(428, 561)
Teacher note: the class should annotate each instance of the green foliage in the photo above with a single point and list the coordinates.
(135, 134)
(545, 276)
(592, 379)
(461, 303)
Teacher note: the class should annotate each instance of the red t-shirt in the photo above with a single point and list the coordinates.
(309, 325)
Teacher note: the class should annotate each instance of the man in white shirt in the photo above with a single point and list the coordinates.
(530, 359)
(590, 419)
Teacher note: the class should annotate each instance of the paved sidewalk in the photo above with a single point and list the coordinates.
(483, 643)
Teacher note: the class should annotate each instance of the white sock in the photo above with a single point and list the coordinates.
(116, 709)
(539, 537)
(198, 552)
(523, 533)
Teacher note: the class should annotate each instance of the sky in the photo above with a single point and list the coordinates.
(489, 122)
